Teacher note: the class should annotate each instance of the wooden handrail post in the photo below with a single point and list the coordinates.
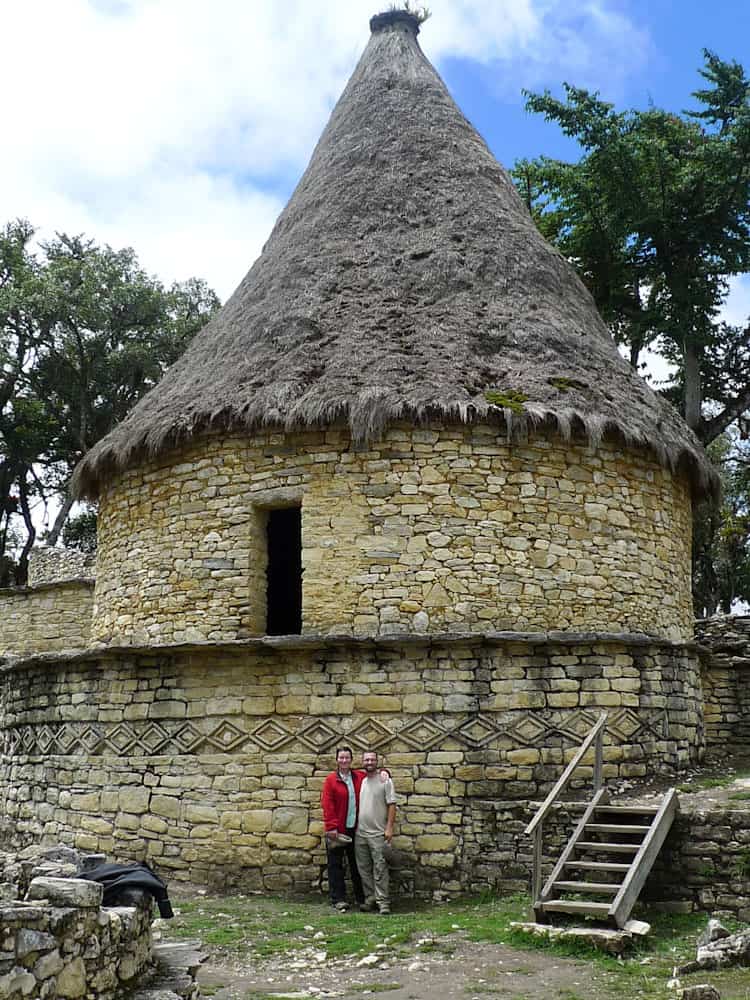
(598, 754)
(536, 879)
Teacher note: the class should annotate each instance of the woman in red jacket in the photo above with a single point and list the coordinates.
(339, 798)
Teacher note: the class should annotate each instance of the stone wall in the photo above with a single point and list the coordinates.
(48, 564)
(725, 677)
(61, 943)
(705, 862)
(209, 761)
(434, 529)
(46, 618)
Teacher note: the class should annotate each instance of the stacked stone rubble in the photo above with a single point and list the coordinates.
(61, 943)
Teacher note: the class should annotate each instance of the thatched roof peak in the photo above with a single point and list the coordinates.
(396, 20)
(405, 279)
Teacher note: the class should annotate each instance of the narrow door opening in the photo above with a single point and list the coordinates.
(284, 573)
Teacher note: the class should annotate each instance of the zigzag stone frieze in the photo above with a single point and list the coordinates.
(319, 735)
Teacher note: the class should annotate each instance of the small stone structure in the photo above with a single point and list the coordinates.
(53, 564)
(59, 942)
(726, 679)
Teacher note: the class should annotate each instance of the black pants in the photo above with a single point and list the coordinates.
(336, 883)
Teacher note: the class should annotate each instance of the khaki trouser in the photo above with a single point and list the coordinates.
(373, 867)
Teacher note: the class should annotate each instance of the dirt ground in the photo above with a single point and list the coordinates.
(470, 970)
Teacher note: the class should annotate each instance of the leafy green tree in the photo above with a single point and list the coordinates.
(721, 545)
(656, 217)
(84, 333)
(79, 531)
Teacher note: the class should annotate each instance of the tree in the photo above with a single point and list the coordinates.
(721, 545)
(656, 217)
(84, 333)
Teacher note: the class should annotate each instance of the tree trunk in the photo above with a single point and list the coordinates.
(62, 517)
(693, 387)
(22, 571)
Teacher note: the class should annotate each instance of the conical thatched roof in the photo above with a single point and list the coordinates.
(404, 279)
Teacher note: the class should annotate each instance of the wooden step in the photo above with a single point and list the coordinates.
(598, 866)
(598, 888)
(629, 810)
(607, 848)
(617, 828)
(574, 906)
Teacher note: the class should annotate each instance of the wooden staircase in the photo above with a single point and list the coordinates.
(603, 868)
(605, 864)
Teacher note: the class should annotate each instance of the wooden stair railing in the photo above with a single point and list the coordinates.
(614, 844)
(536, 826)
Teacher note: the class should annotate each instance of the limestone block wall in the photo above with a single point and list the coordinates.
(726, 679)
(46, 618)
(433, 529)
(209, 762)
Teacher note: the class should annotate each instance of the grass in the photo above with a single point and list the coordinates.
(256, 927)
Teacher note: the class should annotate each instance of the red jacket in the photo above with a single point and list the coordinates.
(334, 797)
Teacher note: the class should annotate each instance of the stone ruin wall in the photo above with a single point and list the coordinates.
(209, 762)
(60, 942)
(46, 618)
(726, 679)
(446, 528)
(54, 612)
(53, 564)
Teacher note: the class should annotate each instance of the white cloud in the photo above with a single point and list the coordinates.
(167, 124)
(736, 309)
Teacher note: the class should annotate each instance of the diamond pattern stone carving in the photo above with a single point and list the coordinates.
(154, 738)
(188, 738)
(624, 724)
(478, 731)
(121, 738)
(577, 725)
(226, 736)
(370, 734)
(528, 730)
(422, 734)
(271, 735)
(318, 736)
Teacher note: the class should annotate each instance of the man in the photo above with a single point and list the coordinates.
(339, 798)
(377, 814)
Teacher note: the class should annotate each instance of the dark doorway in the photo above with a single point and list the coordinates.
(284, 593)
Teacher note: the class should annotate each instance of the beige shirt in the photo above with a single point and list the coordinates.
(374, 798)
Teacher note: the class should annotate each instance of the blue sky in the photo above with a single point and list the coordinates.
(661, 67)
(180, 127)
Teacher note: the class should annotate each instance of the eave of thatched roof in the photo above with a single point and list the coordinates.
(404, 279)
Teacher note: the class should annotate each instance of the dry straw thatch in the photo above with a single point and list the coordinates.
(404, 280)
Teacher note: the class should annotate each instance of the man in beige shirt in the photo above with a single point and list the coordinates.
(377, 813)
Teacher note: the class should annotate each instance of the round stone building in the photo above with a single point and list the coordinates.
(402, 492)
